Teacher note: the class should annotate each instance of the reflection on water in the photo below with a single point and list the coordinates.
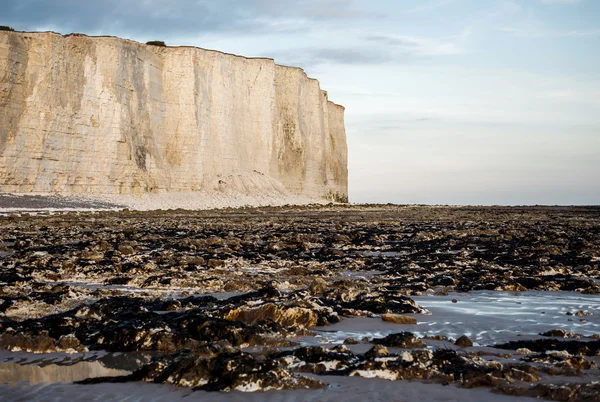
(13, 373)
(360, 274)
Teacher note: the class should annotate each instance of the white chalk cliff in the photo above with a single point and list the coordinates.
(103, 115)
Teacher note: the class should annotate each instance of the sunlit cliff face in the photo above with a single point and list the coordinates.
(120, 117)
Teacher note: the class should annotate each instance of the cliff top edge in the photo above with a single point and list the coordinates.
(166, 47)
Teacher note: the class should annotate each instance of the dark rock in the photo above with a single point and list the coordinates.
(464, 342)
(561, 333)
(588, 348)
(227, 371)
(406, 340)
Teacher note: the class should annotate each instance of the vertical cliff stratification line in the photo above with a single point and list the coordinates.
(102, 115)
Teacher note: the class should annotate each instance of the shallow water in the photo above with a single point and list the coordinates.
(350, 389)
(487, 317)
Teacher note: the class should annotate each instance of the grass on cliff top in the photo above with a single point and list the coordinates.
(156, 43)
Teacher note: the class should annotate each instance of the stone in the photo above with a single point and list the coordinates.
(573, 347)
(27, 343)
(217, 370)
(405, 340)
(377, 351)
(561, 333)
(216, 263)
(398, 319)
(318, 287)
(286, 316)
(126, 249)
(68, 343)
(464, 342)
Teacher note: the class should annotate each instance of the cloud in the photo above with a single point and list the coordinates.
(527, 23)
(587, 96)
(134, 17)
(534, 31)
(312, 57)
(428, 6)
(173, 18)
(583, 33)
(335, 9)
(415, 45)
(561, 1)
(368, 49)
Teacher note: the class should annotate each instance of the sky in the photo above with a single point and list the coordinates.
(447, 101)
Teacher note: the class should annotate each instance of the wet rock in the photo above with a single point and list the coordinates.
(286, 316)
(561, 333)
(561, 363)
(377, 351)
(405, 340)
(196, 261)
(178, 330)
(464, 342)
(443, 280)
(228, 371)
(520, 372)
(346, 291)
(398, 319)
(377, 303)
(592, 290)
(572, 392)
(436, 337)
(92, 255)
(588, 348)
(39, 343)
(318, 287)
(378, 362)
(216, 263)
(69, 343)
(121, 280)
(316, 359)
(126, 249)
(28, 343)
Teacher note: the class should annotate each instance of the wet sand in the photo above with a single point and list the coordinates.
(11, 203)
(354, 389)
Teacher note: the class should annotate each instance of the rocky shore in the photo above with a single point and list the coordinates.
(243, 299)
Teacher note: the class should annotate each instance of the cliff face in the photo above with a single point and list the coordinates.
(111, 116)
